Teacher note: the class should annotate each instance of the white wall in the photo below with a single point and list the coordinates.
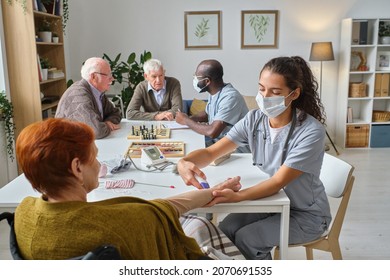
(118, 26)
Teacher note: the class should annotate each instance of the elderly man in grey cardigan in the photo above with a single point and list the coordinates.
(156, 98)
(86, 102)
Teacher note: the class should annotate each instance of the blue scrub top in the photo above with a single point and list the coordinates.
(305, 152)
(228, 106)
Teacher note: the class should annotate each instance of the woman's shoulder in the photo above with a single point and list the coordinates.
(28, 202)
(310, 120)
(310, 124)
(130, 202)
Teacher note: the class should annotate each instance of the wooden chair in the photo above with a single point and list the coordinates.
(250, 101)
(337, 178)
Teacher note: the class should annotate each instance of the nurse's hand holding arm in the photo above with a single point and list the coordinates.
(263, 189)
(190, 165)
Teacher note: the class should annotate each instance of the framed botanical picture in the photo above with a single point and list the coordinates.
(202, 30)
(383, 60)
(259, 29)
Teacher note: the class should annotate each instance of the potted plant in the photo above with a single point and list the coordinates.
(45, 65)
(6, 115)
(44, 30)
(65, 9)
(55, 38)
(384, 32)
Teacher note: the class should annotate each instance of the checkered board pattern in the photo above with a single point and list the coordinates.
(148, 133)
(169, 149)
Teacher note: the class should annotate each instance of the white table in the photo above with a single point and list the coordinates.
(116, 144)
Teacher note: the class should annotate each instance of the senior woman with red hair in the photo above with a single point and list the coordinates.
(58, 157)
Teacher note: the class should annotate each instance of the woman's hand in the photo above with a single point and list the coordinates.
(230, 183)
(227, 191)
(187, 171)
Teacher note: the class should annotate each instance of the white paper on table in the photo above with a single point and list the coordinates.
(174, 125)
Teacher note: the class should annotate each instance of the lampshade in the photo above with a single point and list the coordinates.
(321, 51)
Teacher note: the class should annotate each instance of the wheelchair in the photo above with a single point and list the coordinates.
(103, 252)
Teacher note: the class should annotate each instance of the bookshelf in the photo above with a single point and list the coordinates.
(363, 86)
(22, 50)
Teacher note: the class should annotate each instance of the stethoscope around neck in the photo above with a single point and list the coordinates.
(256, 142)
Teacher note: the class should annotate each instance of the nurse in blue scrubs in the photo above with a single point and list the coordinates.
(286, 137)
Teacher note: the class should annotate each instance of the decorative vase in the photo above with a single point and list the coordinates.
(44, 74)
(385, 40)
(45, 36)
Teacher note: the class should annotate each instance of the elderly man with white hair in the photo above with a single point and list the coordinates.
(158, 97)
(86, 102)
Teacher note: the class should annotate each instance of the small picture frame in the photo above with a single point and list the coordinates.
(383, 60)
(259, 29)
(202, 30)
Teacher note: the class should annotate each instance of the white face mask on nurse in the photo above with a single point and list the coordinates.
(272, 106)
(195, 83)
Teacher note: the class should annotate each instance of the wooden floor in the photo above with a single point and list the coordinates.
(366, 231)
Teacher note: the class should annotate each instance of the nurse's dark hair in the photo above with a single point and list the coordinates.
(298, 74)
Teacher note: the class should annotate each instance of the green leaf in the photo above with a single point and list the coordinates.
(131, 58)
(6, 115)
(128, 73)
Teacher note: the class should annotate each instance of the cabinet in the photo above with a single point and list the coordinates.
(363, 85)
(22, 50)
(52, 88)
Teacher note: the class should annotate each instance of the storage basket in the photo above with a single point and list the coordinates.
(357, 136)
(380, 116)
(357, 90)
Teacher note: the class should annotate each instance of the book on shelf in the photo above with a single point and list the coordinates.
(49, 7)
(355, 33)
(385, 85)
(41, 7)
(61, 7)
(363, 34)
(55, 73)
(35, 5)
(359, 32)
(39, 68)
(49, 113)
(377, 87)
(58, 7)
(349, 115)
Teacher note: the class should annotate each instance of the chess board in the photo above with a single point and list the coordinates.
(169, 149)
(142, 132)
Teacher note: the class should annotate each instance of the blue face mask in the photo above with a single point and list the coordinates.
(195, 83)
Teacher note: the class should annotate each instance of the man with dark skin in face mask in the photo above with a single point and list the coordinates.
(224, 108)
